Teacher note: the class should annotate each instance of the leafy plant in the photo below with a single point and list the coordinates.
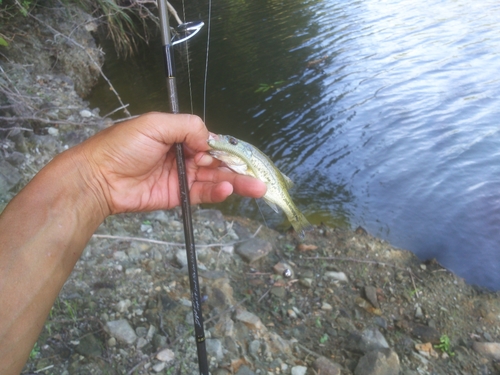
(323, 339)
(35, 351)
(445, 345)
(263, 87)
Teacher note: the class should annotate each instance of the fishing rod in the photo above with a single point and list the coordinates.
(184, 32)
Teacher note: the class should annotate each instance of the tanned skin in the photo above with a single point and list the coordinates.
(129, 167)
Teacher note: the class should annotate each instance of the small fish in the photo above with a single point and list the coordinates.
(243, 158)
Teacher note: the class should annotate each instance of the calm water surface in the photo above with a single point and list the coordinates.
(386, 114)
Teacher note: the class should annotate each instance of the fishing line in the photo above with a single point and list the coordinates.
(261, 213)
(187, 61)
(209, 25)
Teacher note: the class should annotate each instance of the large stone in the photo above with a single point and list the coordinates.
(253, 249)
(371, 339)
(378, 362)
(324, 366)
(487, 349)
(122, 331)
(89, 346)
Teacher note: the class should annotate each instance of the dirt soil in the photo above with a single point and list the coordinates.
(273, 304)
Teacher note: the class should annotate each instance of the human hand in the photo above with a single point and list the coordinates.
(133, 168)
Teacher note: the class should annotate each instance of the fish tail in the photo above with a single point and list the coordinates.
(300, 224)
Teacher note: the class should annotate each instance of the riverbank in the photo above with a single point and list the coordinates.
(352, 304)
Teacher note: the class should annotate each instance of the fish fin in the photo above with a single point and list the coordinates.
(239, 168)
(301, 225)
(288, 181)
(271, 204)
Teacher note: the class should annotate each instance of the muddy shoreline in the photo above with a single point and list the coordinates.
(352, 304)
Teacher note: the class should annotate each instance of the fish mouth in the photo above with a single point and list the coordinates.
(212, 137)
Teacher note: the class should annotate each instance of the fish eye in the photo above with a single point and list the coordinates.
(233, 141)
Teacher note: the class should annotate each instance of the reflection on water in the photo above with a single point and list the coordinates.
(385, 114)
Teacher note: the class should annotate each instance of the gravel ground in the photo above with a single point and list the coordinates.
(336, 302)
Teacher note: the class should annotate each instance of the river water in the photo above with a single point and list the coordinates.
(386, 114)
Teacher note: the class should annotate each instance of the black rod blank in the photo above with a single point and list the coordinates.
(184, 192)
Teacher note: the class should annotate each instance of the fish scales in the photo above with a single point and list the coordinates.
(246, 159)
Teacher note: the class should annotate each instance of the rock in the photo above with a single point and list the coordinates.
(141, 343)
(211, 218)
(371, 339)
(166, 355)
(254, 348)
(253, 249)
(324, 366)
(122, 306)
(282, 267)
(85, 113)
(378, 362)
(419, 313)
(252, 321)
(9, 177)
(299, 370)
(245, 370)
(181, 257)
(159, 367)
(53, 131)
(279, 292)
(214, 348)
(425, 333)
(111, 342)
(306, 282)
(371, 296)
(487, 349)
(122, 331)
(89, 346)
(326, 306)
(339, 276)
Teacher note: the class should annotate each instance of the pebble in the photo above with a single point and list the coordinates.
(214, 348)
(326, 306)
(159, 367)
(53, 131)
(122, 331)
(371, 296)
(324, 366)
(487, 349)
(166, 355)
(245, 370)
(299, 370)
(339, 276)
(378, 362)
(122, 306)
(371, 339)
(85, 113)
(253, 249)
(251, 320)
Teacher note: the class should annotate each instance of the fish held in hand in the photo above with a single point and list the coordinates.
(243, 158)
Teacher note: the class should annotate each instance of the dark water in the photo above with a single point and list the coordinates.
(386, 114)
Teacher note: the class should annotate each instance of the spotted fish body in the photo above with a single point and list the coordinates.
(243, 158)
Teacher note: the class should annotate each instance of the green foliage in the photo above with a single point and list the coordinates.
(445, 345)
(264, 87)
(3, 42)
(318, 322)
(123, 20)
(35, 351)
(323, 339)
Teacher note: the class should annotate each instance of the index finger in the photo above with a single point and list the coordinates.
(176, 128)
